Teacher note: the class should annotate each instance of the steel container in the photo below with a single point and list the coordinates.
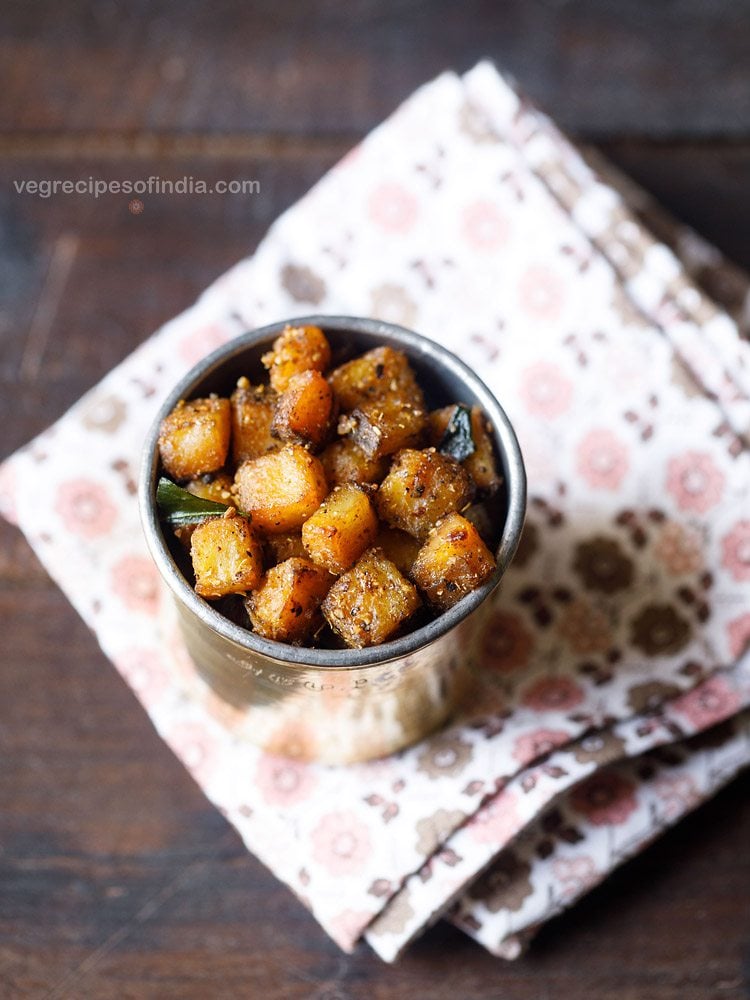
(337, 705)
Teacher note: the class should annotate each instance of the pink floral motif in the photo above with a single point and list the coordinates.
(393, 207)
(143, 668)
(198, 343)
(678, 794)
(496, 822)
(530, 746)
(602, 460)
(135, 580)
(484, 226)
(545, 391)
(695, 481)
(85, 508)
(735, 551)
(553, 694)
(708, 703)
(679, 548)
(541, 292)
(606, 799)
(575, 875)
(195, 748)
(347, 926)
(738, 632)
(283, 782)
(507, 643)
(341, 843)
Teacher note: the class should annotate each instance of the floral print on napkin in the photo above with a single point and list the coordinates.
(619, 626)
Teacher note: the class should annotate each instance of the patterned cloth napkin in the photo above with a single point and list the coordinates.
(613, 682)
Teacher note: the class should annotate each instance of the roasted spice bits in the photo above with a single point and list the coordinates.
(333, 503)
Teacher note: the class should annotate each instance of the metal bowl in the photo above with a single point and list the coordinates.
(337, 705)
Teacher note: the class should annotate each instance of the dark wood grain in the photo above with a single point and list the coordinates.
(117, 879)
(676, 68)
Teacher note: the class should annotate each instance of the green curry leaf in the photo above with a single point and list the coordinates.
(180, 507)
(457, 441)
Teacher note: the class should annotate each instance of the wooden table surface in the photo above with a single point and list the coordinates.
(117, 879)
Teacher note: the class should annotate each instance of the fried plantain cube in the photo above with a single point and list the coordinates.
(218, 486)
(383, 428)
(453, 561)
(286, 606)
(341, 529)
(253, 408)
(480, 464)
(279, 548)
(344, 462)
(399, 547)
(282, 489)
(385, 406)
(194, 437)
(305, 410)
(298, 349)
(227, 556)
(422, 487)
(374, 375)
(370, 602)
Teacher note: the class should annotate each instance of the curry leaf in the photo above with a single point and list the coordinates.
(457, 441)
(180, 507)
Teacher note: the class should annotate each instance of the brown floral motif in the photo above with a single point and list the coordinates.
(649, 696)
(605, 799)
(528, 545)
(599, 748)
(585, 628)
(444, 756)
(602, 565)
(507, 643)
(392, 303)
(433, 830)
(104, 413)
(658, 630)
(395, 917)
(506, 885)
(303, 284)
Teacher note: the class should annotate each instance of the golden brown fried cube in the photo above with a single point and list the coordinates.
(279, 548)
(227, 556)
(304, 410)
(370, 602)
(298, 349)
(386, 405)
(399, 547)
(344, 462)
(453, 561)
(481, 464)
(282, 489)
(341, 529)
(194, 438)
(384, 427)
(253, 409)
(286, 606)
(374, 375)
(218, 487)
(422, 487)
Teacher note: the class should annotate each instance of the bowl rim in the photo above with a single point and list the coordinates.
(335, 659)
